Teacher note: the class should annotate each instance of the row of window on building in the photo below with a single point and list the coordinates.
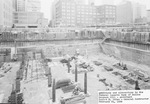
(79, 13)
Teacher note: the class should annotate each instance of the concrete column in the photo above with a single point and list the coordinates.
(49, 71)
(68, 65)
(4, 58)
(13, 88)
(76, 73)
(85, 83)
(49, 80)
(53, 92)
(137, 85)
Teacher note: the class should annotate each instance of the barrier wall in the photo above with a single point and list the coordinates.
(137, 56)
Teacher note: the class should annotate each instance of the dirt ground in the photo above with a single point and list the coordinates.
(7, 81)
(35, 87)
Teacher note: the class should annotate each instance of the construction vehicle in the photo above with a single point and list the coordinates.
(120, 66)
(142, 75)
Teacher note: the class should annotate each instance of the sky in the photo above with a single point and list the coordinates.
(46, 5)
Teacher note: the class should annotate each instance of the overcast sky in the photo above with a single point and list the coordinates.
(46, 5)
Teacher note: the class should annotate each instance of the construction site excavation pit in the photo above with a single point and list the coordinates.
(73, 74)
(72, 71)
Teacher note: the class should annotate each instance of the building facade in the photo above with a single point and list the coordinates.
(131, 12)
(148, 16)
(108, 2)
(73, 13)
(139, 11)
(33, 5)
(125, 13)
(107, 14)
(20, 5)
(6, 10)
(87, 15)
(28, 15)
(27, 19)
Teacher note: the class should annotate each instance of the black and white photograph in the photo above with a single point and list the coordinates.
(74, 51)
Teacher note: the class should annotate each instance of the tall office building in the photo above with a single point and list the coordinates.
(6, 9)
(86, 15)
(28, 15)
(20, 5)
(27, 19)
(107, 14)
(125, 12)
(130, 12)
(33, 5)
(73, 13)
(148, 16)
(139, 11)
(85, 2)
(28, 5)
(108, 2)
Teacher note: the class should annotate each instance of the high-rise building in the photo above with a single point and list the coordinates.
(33, 5)
(28, 5)
(130, 12)
(86, 15)
(20, 5)
(6, 9)
(28, 15)
(107, 14)
(139, 11)
(148, 16)
(73, 13)
(125, 12)
(27, 19)
(108, 2)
